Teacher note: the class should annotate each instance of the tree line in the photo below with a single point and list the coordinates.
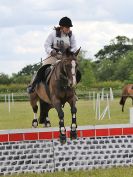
(114, 62)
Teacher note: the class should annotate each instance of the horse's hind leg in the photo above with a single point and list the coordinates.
(35, 122)
(33, 102)
(122, 102)
(44, 119)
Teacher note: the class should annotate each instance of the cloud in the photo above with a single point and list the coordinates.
(34, 12)
(25, 25)
(92, 36)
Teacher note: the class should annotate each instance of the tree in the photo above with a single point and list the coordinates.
(88, 76)
(85, 66)
(105, 70)
(29, 69)
(124, 70)
(4, 79)
(117, 48)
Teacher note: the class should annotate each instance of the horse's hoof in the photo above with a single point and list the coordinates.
(47, 124)
(62, 138)
(34, 123)
(73, 135)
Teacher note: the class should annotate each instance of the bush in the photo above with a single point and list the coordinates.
(108, 84)
(13, 88)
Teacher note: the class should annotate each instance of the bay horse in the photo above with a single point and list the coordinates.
(126, 92)
(59, 90)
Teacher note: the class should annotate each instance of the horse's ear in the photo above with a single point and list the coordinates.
(77, 52)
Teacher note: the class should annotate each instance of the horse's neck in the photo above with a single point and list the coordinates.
(58, 70)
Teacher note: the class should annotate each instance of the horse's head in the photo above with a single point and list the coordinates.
(69, 63)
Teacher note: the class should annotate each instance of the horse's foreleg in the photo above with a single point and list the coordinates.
(62, 128)
(35, 122)
(73, 133)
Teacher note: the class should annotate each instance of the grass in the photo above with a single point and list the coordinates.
(21, 114)
(113, 172)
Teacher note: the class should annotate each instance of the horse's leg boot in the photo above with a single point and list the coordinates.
(62, 135)
(73, 132)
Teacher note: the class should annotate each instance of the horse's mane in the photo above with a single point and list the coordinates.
(67, 52)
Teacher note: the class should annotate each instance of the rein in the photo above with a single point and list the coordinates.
(59, 62)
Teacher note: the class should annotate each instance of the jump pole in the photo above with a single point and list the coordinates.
(131, 115)
(12, 98)
(5, 98)
(9, 103)
(107, 109)
(97, 107)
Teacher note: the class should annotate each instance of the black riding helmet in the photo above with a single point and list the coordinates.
(66, 22)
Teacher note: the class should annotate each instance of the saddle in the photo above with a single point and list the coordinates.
(43, 72)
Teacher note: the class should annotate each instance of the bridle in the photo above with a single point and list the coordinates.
(64, 75)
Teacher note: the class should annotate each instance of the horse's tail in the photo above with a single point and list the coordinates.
(42, 111)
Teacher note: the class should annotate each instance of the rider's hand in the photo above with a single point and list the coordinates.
(53, 52)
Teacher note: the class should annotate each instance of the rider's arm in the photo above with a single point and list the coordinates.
(48, 43)
(73, 43)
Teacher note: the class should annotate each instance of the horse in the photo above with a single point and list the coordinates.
(56, 91)
(126, 92)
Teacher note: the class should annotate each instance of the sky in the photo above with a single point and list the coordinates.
(25, 25)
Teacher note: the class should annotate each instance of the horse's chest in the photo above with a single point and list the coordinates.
(65, 93)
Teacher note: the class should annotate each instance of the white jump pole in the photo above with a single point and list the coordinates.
(98, 107)
(9, 104)
(111, 94)
(94, 101)
(89, 96)
(5, 98)
(12, 99)
(131, 115)
(108, 106)
(107, 109)
(102, 95)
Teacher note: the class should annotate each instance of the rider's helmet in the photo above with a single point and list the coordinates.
(66, 22)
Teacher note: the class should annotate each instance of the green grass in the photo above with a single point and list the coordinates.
(21, 114)
(113, 172)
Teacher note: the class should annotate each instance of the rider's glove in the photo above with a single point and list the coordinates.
(53, 52)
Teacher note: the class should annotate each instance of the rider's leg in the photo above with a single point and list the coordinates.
(31, 88)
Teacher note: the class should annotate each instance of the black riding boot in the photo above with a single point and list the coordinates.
(31, 88)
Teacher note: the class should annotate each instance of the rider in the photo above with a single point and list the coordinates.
(61, 38)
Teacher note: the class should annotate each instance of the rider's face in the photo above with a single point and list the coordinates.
(66, 30)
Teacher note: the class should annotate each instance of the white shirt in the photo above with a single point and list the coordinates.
(55, 41)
